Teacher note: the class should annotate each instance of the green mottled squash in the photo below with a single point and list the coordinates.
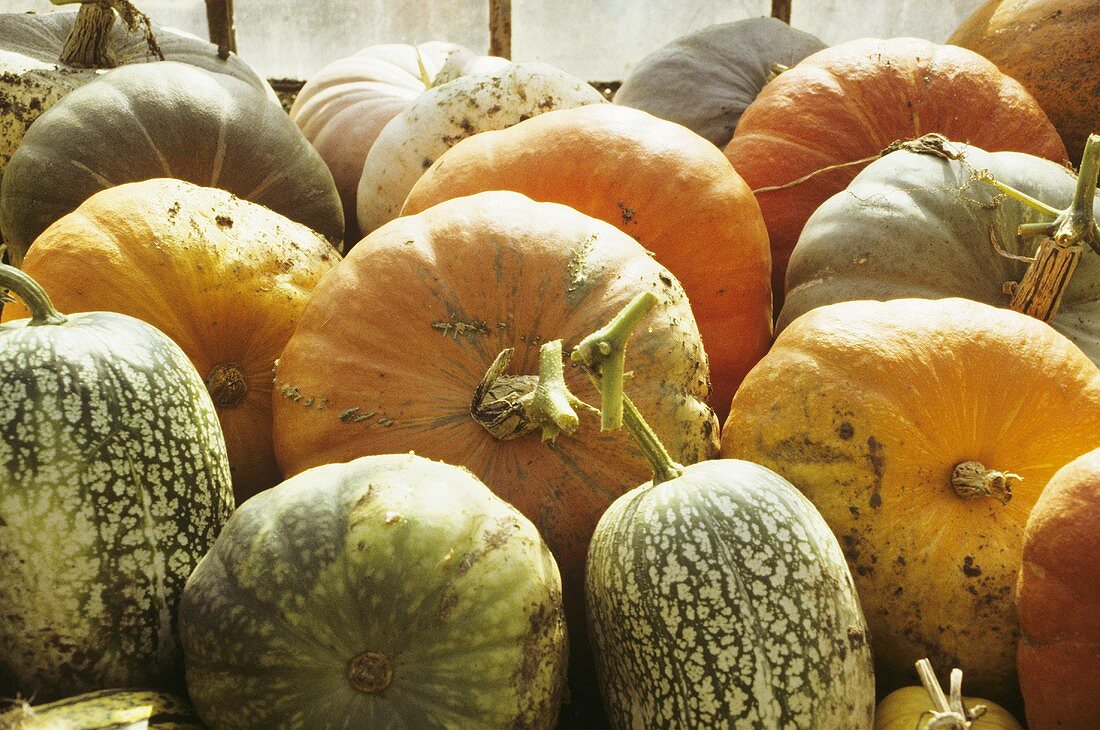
(718, 597)
(388, 591)
(107, 709)
(158, 120)
(114, 481)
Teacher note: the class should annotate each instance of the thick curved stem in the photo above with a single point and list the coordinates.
(552, 404)
(33, 296)
(1078, 222)
(88, 44)
(602, 354)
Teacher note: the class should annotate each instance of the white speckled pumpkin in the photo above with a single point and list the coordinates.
(114, 482)
(446, 114)
(343, 107)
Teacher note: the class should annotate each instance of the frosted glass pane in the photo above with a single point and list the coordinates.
(600, 40)
(188, 15)
(835, 21)
(294, 39)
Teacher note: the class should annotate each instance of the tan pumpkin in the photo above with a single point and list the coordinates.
(1058, 597)
(393, 347)
(924, 431)
(910, 708)
(226, 279)
(815, 126)
(656, 180)
(1050, 47)
(343, 107)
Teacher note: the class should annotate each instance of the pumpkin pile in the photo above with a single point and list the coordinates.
(765, 396)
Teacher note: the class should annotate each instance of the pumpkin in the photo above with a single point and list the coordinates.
(448, 113)
(655, 180)
(164, 120)
(812, 129)
(465, 280)
(225, 278)
(1049, 47)
(390, 591)
(922, 225)
(1058, 596)
(37, 68)
(114, 483)
(910, 708)
(705, 79)
(923, 431)
(342, 108)
(718, 597)
(107, 708)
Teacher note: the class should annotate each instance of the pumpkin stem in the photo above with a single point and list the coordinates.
(227, 385)
(425, 77)
(510, 406)
(949, 713)
(971, 479)
(1039, 294)
(88, 44)
(602, 354)
(33, 295)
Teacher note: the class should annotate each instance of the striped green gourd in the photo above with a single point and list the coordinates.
(718, 597)
(114, 481)
(107, 709)
(389, 591)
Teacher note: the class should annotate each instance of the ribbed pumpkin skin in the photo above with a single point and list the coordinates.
(851, 101)
(109, 708)
(396, 555)
(114, 483)
(32, 80)
(226, 279)
(658, 182)
(1050, 47)
(449, 113)
(705, 79)
(916, 225)
(166, 119)
(342, 108)
(720, 599)
(1058, 595)
(867, 407)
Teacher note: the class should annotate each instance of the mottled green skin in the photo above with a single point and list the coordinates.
(108, 709)
(114, 481)
(721, 599)
(395, 554)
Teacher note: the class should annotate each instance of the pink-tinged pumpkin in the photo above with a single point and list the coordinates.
(670, 189)
(836, 110)
(342, 108)
(1058, 598)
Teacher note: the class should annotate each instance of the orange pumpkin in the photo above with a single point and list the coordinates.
(1050, 47)
(664, 185)
(923, 431)
(223, 277)
(394, 344)
(1058, 597)
(844, 105)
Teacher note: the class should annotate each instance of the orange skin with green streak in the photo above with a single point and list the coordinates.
(1050, 47)
(666, 186)
(849, 102)
(224, 278)
(1058, 597)
(867, 407)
